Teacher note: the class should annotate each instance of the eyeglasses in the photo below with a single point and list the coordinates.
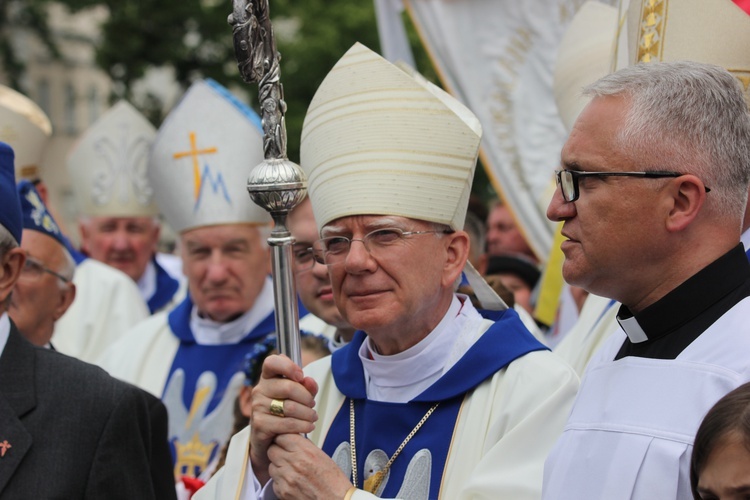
(34, 269)
(303, 259)
(568, 179)
(333, 250)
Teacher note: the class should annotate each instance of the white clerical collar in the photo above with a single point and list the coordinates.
(209, 332)
(401, 377)
(4, 331)
(147, 282)
(631, 327)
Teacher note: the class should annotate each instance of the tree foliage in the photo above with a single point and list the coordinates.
(326, 29)
(31, 14)
(193, 38)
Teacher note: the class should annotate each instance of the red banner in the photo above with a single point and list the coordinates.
(743, 4)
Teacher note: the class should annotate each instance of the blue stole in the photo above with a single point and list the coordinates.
(383, 426)
(166, 287)
(195, 449)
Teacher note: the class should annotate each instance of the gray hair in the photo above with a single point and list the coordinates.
(7, 241)
(67, 269)
(476, 230)
(686, 117)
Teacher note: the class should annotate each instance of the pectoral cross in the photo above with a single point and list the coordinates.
(4, 447)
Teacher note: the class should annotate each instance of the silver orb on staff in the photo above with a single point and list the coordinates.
(277, 184)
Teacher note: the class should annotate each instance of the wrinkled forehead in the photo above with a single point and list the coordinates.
(370, 222)
(99, 221)
(221, 234)
(41, 246)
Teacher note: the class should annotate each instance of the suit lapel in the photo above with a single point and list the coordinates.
(17, 398)
(12, 432)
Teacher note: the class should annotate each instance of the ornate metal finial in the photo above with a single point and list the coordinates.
(277, 184)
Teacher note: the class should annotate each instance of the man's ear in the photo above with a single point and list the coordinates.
(457, 252)
(83, 230)
(67, 297)
(10, 269)
(688, 194)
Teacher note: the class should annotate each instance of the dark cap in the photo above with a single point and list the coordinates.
(514, 264)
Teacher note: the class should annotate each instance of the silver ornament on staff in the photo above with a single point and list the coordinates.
(277, 184)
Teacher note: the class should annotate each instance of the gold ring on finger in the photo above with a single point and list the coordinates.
(277, 407)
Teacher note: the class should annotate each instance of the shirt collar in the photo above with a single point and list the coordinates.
(209, 332)
(4, 331)
(401, 377)
(745, 239)
(687, 301)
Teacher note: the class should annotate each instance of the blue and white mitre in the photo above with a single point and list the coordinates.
(198, 172)
(108, 165)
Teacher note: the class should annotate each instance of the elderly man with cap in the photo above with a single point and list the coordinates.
(429, 399)
(44, 289)
(69, 430)
(192, 355)
(655, 225)
(117, 211)
(108, 302)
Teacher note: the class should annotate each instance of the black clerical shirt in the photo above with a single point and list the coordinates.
(673, 322)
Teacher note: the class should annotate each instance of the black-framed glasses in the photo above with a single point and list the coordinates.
(303, 259)
(568, 179)
(334, 249)
(34, 269)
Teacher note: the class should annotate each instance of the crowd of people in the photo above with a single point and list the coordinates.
(130, 373)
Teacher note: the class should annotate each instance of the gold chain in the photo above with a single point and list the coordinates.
(373, 482)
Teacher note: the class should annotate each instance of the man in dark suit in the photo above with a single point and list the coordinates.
(67, 429)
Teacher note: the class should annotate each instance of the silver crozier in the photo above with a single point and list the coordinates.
(277, 184)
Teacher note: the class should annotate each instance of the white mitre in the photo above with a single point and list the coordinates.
(377, 141)
(108, 165)
(585, 55)
(715, 32)
(201, 159)
(26, 128)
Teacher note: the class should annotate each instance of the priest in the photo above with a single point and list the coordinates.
(430, 398)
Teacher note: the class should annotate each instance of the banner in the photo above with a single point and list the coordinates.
(498, 57)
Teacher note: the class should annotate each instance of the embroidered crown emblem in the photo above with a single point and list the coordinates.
(193, 456)
(196, 433)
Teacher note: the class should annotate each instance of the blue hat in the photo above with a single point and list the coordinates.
(35, 214)
(10, 209)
